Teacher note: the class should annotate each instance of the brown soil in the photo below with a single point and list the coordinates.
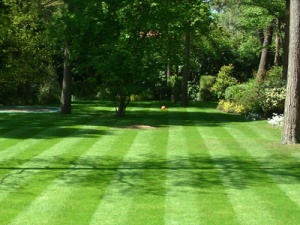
(136, 126)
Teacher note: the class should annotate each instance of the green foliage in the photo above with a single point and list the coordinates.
(272, 92)
(272, 100)
(232, 107)
(122, 47)
(206, 83)
(234, 93)
(49, 93)
(213, 50)
(28, 54)
(274, 76)
(224, 80)
(143, 96)
(242, 97)
(175, 86)
(193, 91)
(244, 94)
(261, 98)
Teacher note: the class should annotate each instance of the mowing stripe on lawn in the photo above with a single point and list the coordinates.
(214, 202)
(181, 203)
(117, 199)
(28, 150)
(62, 199)
(32, 127)
(35, 140)
(48, 157)
(121, 191)
(198, 166)
(255, 142)
(107, 163)
(11, 127)
(147, 205)
(91, 175)
(278, 173)
(91, 164)
(249, 207)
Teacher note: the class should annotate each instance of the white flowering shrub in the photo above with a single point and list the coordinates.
(276, 120)
(272, 99)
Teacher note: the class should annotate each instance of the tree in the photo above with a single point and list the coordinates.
(291, 127)
(130, 66)
(286, 40)
(118, 42)
(26, 56)
(66, 93)
(266, 40)
(186, 68)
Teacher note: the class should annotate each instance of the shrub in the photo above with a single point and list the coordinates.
(48, 94)
(223, 81)
(244, 97)
(231, 107)
(272, 100)
(145, 95)
(193, 90)
(245, 94)
(254, 98)
(275, 74)
(234, 93)
(272, 92)
(206, 83)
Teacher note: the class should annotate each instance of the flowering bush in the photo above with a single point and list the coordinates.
(276, 120)
(272, 92)
(272, 99)
(231, 107)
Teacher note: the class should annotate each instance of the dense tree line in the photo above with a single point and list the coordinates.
(144, 49)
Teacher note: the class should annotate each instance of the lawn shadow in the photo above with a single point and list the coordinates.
(197, 173)
(46, 126)
(24, 126)
(200, 114)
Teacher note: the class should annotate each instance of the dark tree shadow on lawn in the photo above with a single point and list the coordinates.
(45, 126)
(196, 173)
(23, 126)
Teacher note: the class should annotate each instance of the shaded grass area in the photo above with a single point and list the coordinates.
(197, 166)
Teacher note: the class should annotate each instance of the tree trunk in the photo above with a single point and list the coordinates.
(65, 107)
(264, 58)
(261, 36)
(123, 101)
(286, 41)
(168, 73)
(175, 91)
(185, 74)
(291, 127)
(277, 44)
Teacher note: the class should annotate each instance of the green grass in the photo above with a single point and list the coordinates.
(184, 166)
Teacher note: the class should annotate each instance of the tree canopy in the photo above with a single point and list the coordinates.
(124, 50)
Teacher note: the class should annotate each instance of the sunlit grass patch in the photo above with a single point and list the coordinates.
(192, 165)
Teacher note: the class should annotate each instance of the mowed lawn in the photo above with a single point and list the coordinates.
(182, 166)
